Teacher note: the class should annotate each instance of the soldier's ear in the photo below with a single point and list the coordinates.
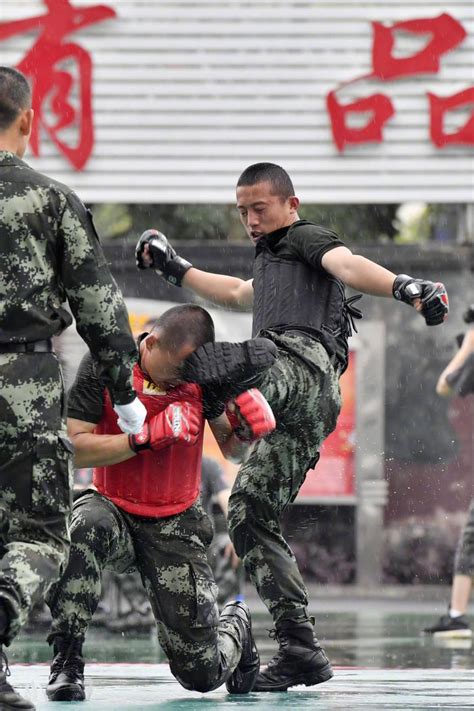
(152, 340)
(294, 203)
(26, 122)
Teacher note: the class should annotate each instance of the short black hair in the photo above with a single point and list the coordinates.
(15, 95)
(186, 323)
(268, 172)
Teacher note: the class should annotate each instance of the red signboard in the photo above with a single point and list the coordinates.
(334, 474)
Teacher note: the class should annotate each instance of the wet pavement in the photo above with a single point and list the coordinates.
(381, 660)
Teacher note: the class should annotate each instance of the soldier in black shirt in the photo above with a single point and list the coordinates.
(299, 303)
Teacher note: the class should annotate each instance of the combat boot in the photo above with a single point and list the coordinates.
(228, 369)
(243, 677)
(299, 660)
(10, 700)
(66, 681)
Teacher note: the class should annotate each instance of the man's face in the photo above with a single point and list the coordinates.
(262, 212)
(162, 364)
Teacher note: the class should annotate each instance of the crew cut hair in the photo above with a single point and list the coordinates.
(186, 323)
(15, 95)
(268, 172)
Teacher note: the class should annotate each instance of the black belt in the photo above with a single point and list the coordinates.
(45, 346)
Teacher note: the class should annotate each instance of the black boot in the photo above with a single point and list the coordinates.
(66, 681)
(300, 659)
(243, 677)
(9, 699)
(227, 369)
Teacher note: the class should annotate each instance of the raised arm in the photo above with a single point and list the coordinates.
(154, 251)
(358, 272)
(228, 291)
(429, 298)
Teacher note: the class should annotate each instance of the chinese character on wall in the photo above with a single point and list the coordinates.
(444, 34)
(60, 73)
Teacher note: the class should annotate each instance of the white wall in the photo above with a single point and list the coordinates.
(187, 94)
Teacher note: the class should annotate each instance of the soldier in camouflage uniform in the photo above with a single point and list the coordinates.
(144, 513)
(49, 252)
(299, 303)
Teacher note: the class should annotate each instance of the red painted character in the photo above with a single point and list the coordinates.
(445, 33)
(53, 85)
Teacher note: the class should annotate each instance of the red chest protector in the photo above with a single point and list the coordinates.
(154, 484)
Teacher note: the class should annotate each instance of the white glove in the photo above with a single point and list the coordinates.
(131, 417)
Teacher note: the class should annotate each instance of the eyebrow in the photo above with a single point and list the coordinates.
(254, 204)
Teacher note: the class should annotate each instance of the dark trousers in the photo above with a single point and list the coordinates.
(171, 556)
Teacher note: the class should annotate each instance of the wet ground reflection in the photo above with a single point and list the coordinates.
(367, 639)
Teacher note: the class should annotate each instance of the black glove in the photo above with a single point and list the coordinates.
(163, 257)
(433, 296)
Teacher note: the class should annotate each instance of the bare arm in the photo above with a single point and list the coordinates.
(220, 289)
(358, 272)
(94, 450)
(231, 446)
(443, 388)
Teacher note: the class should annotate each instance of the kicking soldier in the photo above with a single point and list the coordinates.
(143, 510)
(299, 303)
(49, 253)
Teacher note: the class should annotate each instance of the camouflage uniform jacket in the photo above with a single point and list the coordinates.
(50, 252)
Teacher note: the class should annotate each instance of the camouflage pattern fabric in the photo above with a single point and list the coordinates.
(230, 581)
(464, 561)
(303, 390)
(35, 481)
(170, 555)
(50, 252)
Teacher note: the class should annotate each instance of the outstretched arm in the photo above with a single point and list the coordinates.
(358, 272)
(228, 291)
(429, 298)
(154, 251)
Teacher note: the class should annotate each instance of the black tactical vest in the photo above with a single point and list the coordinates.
(290, 294)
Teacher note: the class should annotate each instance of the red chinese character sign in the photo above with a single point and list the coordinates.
(59, 70)
(444, 34)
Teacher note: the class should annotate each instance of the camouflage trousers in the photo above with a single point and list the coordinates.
(464, 561)
(170, 555)
(305, 397)
(35, 482)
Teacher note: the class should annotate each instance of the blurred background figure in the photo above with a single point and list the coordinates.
(458, 379)
(226, 565)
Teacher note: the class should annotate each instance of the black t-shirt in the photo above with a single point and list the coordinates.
(293, 293)
(86, 396)
(309, 246)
